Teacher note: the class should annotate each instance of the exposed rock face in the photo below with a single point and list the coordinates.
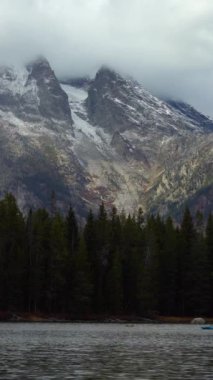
(118, 104)
(103, 99)
(53, 101)
(106, 139)
(33, 94)
(172, 144)
(191, 113)
(35, 128)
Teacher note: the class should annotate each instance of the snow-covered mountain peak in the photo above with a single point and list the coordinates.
(40, 60)
(103, 139)
(40, 69)
(118, 103)
(32, 93)
(107, 74)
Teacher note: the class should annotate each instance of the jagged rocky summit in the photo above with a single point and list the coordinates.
(106, 139)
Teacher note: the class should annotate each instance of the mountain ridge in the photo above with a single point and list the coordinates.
(106, 139)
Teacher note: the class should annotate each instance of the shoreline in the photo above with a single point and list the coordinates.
(63, 318)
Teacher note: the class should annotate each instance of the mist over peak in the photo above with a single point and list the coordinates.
(165, 45)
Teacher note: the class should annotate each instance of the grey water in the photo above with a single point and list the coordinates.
(105, 351)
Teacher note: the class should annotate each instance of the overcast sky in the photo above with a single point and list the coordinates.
(165, 44)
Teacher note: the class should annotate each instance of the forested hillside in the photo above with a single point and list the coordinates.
(115, 264)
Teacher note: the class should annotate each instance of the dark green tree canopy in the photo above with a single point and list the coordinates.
(114, 265)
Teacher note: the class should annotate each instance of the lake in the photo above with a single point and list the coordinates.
(105, 351)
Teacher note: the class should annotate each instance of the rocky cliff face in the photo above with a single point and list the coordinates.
(36, 126)
(192, 114)
(118, 104)
(168, 147)
(106, 139)
(33, 94)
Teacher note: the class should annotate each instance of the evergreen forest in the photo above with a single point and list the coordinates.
(115, 264)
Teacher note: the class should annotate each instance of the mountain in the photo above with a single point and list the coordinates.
(191, 113)
(33, 94)
(103, 139)
(36, 127)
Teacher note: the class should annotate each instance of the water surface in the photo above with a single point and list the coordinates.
(105, 351)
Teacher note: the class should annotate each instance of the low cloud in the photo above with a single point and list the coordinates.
(167, 44)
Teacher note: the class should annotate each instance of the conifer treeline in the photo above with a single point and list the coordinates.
(115, 265)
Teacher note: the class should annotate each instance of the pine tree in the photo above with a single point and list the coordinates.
(187, 239)
(12, 254)
(168, 270)
(209, 245)
(101, 260)
(132, 265)
(114, 284)
(58, 264)
(151, 274)
(29, 262)
(40, 253)
(81, 282)
(72, 232)
(198, 296)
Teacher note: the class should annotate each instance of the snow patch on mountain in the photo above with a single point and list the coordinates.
(82, 127)
(16, 81)
(105, 139)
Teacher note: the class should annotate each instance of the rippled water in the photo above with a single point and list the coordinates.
(105, 351)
